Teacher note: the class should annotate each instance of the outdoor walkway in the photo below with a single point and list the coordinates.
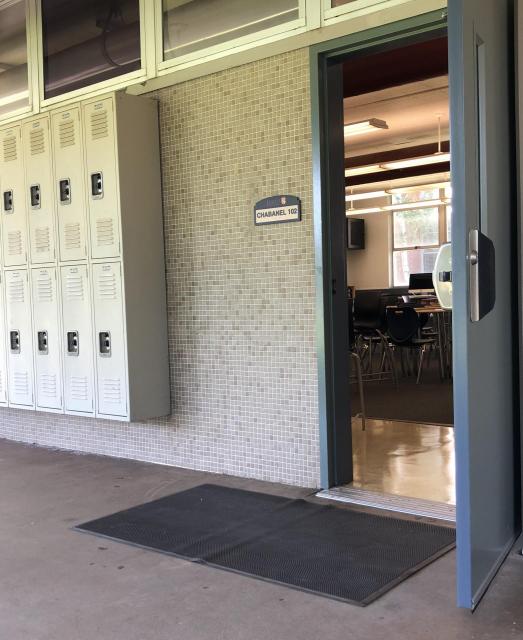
(56, 583)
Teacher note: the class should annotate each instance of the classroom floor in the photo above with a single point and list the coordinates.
(405, 459)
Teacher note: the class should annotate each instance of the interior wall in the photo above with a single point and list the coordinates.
(369, 268)
(240, 298)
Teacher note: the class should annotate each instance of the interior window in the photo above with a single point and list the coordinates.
(417, 233)
(87, 42)
(192, 25)
(14, 93)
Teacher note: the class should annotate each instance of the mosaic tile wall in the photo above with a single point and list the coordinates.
(241, 299)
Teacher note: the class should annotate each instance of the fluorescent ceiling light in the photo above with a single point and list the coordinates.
(365, 196)
(365, 126)
(362, 171)
(360, 212)
(435, 158)
(422, 204)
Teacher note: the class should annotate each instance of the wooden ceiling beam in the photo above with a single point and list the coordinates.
(401, 153)
(397, 174)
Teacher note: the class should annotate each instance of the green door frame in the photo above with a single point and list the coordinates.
(328, 201)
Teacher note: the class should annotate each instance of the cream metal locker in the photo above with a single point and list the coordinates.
(69, 182)
(3, 355)
(46, 339)
(19, 339)
(77, 340)
(13, 201)
(86, 319)
(110, 340)
(36, 141)
(102, 177)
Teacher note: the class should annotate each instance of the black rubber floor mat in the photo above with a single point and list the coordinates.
(347, 555)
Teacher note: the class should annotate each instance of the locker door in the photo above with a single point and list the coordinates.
(46, 336)
(110, 340)
(13, 201)
(19, 339)
(39, 190)
(77, 340)
(3, 355)
(69, 184)
(100, 152)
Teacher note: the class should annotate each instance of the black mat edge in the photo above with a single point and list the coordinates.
(204, 563)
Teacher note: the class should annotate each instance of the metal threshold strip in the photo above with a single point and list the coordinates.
(389, 502)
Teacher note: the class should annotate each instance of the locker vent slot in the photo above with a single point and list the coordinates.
(104, 232)
(74, 287)
(44, 288)
(99, 125)
(37, 142)
(42, 239)
(112, 391)
(67, 134)
(72, 234)
(107, 286)
(10, 149)
(21, 383)
(16, 291)
(14, 243)
(48, 386)
(79, 388)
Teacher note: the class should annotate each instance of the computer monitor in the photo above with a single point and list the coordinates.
(421, 282)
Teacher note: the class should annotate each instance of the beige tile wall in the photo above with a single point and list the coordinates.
(241, 299)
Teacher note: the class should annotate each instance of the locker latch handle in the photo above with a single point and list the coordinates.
(64, 188)
(14, 340)
(8, 201)
(36, 200)
(43, 343)
(73, 343)
(104, 338)
(97, 185)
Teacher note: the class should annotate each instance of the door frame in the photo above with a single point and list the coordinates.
(518, 91)
(332, 362)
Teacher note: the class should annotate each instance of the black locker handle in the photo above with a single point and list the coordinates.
(8, 201)
(104, 343)
(36, 196)
(14, 340)
(97, 185)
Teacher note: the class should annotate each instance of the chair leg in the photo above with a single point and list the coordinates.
(392, 363)
(360, 387)
(440, 347)
(402, 358)
(421, 358)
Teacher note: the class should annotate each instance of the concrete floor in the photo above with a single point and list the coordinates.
(56, 583)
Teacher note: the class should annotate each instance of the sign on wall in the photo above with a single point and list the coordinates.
(277, 209)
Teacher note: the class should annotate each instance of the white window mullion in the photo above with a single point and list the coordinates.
(312, 9)
(148, 9)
